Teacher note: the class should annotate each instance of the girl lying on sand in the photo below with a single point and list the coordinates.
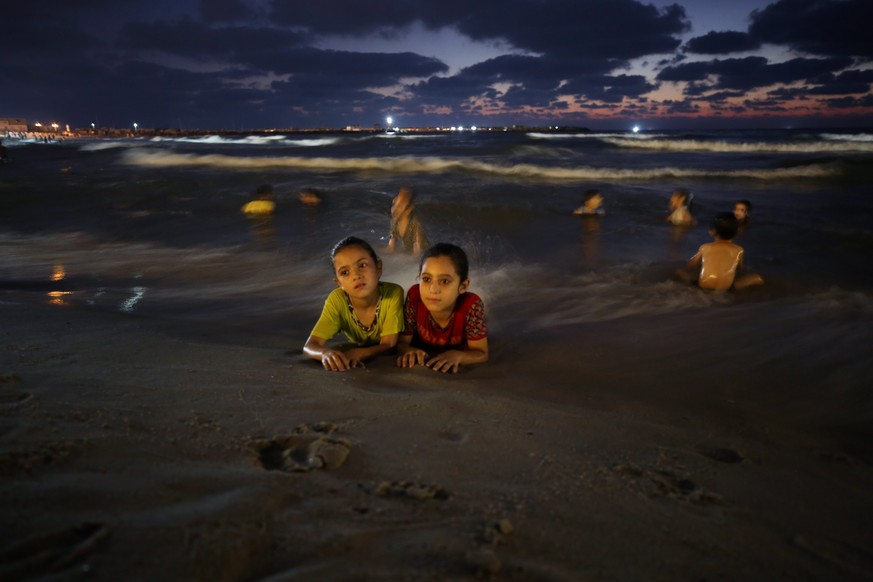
(368, 311)
(441, 315)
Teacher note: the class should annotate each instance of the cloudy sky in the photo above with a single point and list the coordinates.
(607, 64)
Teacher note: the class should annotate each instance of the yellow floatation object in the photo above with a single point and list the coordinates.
(259, 207)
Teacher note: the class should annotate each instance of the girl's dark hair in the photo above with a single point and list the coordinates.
(455, 254)
(352, 241)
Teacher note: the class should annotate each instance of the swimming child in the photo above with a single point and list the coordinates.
(742, 211)
(592, 204)
(720, 261)
(680, 213)
(310, 197)
(367, 311)
(263, 204)
(440, 314)
(406, 230)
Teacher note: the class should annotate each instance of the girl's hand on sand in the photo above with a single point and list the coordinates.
(448, 361)
(334, 361)
(355, 357)
(412, 358)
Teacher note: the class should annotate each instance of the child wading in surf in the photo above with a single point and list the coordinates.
(407, 232)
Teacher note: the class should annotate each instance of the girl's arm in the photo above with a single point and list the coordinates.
(451, 360)
(331, 359)
(357, 356)
(409, 356)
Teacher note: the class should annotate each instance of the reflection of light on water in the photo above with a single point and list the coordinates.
(59, 274)
(57, 297)
(128, 304)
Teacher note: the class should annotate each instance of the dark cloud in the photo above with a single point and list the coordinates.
(261, 63)
(821, 27)
(224, 10)
(722, 43)
(556, 28)
(752, 72)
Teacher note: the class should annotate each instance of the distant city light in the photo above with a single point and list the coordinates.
(636, 129)
(473, 128)
(135, 125)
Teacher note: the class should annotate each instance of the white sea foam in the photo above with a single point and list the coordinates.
(604, 136)
(694, 145)
(860, 137)
(439, 165)
(256, 140)
(102, 145)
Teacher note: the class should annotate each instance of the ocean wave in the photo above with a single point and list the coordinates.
(257, 140)
(860, 137)
(604, 136)
(439, 165)
(691, 145)
(102, 145)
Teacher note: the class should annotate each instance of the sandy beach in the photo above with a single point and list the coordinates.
(141, 448)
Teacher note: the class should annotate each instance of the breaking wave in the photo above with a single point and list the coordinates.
(440, 165)
(691, 145)
(268, 140)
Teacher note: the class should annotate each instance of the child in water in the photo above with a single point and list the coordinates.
(592, 204)
(742, 211)
(263, 204)
(440, 314)
(680, 212)
(720, 261)
(407, 232)
(367, 311)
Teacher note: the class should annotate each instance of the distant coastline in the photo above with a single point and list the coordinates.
(112, 132)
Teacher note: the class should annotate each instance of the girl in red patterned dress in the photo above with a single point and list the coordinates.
(441, 316)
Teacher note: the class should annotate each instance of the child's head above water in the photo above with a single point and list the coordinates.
(742, 210)
(264, 192)
(724, 226)
(454, 253)
(680, 197)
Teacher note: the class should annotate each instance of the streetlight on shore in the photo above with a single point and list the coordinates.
(135, 125)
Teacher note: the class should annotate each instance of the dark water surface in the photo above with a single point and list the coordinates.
(153, 227)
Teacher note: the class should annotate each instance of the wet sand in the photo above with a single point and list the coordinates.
(139, 448)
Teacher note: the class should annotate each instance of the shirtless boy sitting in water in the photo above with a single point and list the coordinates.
(721, 260)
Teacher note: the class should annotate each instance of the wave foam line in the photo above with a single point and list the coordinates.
(748, 147)
(436, 165)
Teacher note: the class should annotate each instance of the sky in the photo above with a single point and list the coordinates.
(601, 64)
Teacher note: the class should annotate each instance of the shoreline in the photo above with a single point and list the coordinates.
(213, 452)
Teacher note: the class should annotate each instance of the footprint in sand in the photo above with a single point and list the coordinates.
(663, 483)
(307, 448)
(58, 555)
(411, 490)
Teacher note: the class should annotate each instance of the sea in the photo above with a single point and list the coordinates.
(152, 227)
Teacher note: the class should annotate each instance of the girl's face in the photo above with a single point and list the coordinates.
(440, 284)
(741, 212)
(356, 272)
